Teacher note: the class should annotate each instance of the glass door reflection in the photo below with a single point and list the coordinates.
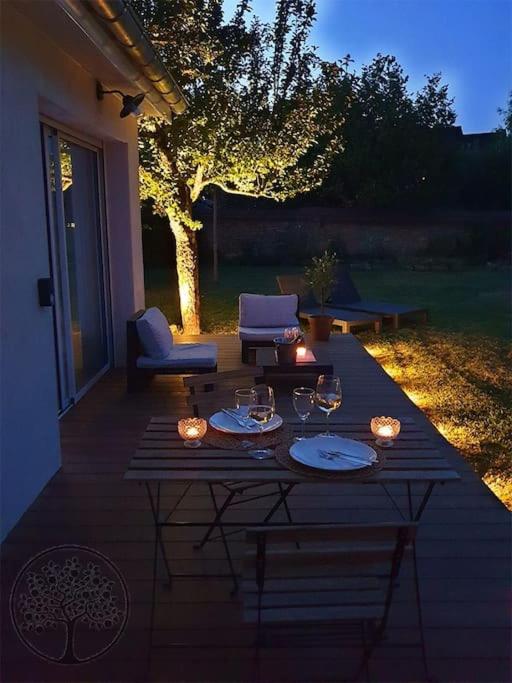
(82, 227)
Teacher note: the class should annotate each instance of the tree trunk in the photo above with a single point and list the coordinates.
(187, 266)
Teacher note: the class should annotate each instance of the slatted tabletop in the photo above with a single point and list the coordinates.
(161, 456)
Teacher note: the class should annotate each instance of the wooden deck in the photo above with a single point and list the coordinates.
(463, 548)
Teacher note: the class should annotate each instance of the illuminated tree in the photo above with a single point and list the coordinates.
(261, 121)
(68, 594)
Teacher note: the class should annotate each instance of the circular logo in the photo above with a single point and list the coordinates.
(69, 604)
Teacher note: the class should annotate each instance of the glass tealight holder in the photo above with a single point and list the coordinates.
(385, 429)
(192, 430)
(300, 354)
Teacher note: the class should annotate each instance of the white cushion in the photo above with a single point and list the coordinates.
(260, 333)
(259, 310)
(183, 356)
(154, 334)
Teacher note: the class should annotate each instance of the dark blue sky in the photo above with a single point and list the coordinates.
(469, 41)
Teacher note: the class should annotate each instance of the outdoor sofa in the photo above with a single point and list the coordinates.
(151, 350)
(262, 318)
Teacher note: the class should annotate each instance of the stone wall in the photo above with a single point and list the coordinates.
(282, 235)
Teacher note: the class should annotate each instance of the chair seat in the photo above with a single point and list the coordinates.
(260, 333)
(183, 356)
(340, 314)
(381, 307)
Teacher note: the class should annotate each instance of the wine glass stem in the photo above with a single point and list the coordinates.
(303, 428)
(327, 432)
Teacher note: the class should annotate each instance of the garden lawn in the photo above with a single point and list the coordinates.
(457, 369)
(472, 301)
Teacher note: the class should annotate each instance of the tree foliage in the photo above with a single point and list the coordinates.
(261, 121)
(395, 140)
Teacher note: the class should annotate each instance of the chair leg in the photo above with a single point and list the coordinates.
(367, 653)
(396, 321)
(420, 612)
(245, 352)
(378, 326)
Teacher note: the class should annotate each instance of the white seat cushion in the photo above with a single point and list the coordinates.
(260, 333)
(154, 334)
(259, 310)
(183, 356)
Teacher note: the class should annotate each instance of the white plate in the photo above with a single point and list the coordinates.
(227, 424)
(307, 452)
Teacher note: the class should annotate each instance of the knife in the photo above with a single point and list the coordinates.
(350, 456)
(234, 416)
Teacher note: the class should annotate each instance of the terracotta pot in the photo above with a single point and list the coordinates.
(320, 326)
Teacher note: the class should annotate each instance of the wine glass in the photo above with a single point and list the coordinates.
(303, 402)
(243, 398)
(261, 410)
(328, 397)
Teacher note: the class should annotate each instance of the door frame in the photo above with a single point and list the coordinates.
(51, 135)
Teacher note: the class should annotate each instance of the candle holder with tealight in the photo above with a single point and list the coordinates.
(192, 430)
(385, 429)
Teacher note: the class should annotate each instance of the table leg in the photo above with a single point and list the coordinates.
(282, 498)
(155, 509)
(224, 540)
(218, 515)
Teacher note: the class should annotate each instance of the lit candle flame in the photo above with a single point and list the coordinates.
(301, 352)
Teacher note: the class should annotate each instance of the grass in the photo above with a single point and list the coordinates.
(457, 369)
(472, 301)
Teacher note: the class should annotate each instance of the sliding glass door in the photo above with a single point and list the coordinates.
(78, 259)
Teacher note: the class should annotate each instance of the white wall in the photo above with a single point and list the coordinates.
(37, 78)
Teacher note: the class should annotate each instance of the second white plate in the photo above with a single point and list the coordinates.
(307, 452)
(227, 424)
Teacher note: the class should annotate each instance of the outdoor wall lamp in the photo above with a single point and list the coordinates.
(130, 102)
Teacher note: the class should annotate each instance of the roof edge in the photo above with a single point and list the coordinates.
(114, 27)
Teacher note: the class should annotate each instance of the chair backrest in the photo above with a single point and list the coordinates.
(295, 284)
(260, 310)
(209, 391)
(362, 551)
(133, 343)
(344, 290)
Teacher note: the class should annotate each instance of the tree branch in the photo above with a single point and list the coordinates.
(244, 193)
(198, 183)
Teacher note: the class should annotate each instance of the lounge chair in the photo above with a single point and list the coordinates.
(346, 296)
(150, 350)
(345, 301)
(345, 319)
(263, 318)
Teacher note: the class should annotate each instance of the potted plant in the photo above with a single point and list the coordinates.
(321, 277)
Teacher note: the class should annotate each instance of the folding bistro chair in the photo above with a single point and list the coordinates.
(206, 394)
(340, 581)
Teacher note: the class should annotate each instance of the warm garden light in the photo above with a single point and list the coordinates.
(385, 429)
(192, 430)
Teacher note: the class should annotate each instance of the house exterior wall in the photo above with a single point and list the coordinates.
(39, 79)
